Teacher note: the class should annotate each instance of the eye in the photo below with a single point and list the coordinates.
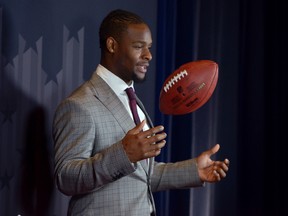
(138, 46)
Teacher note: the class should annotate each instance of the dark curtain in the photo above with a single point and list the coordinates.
(247, 113)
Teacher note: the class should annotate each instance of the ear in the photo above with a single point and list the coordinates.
(111, 44)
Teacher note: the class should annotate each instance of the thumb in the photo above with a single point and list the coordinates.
(213, 150)
(139, 127)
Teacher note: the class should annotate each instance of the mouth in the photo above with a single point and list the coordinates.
(142, 68)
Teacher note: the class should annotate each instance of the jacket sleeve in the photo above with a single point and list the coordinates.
(77, 169)
(180, 175)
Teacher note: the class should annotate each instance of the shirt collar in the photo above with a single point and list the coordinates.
(116, 83)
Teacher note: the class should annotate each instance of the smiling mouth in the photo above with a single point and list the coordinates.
(142, 68)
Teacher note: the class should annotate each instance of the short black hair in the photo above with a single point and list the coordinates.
(115, 23)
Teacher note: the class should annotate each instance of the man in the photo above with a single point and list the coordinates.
(102, 158)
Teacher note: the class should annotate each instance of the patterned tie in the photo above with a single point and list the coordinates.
(133, 104)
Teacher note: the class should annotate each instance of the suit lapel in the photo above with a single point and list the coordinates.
(109, 99)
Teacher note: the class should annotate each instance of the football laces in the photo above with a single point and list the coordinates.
(175, 79)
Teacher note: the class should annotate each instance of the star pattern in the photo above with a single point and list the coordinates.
(8, 114)
(51, 77)
(5, 180)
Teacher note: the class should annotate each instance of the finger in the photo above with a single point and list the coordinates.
(221, 165)
(213, 150)
(227, 162)
(138, 128)
(217, 175)
(152, 131)
(221, 173)
(156, 146)
(156, 138)
(155, 149)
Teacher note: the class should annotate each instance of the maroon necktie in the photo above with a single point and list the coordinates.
(133, 104)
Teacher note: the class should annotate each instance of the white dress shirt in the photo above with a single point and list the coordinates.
(119, 86)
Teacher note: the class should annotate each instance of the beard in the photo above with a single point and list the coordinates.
(136, 79)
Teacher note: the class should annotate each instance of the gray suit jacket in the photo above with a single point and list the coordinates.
(91, 164)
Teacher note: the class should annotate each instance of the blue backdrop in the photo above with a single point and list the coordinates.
(49, 47)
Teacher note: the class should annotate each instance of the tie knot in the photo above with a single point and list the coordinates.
(131, 94)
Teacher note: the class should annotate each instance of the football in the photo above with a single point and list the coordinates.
(189, 87)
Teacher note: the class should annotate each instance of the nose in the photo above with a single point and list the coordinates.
(147, 54)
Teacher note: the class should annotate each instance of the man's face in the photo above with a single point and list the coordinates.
(133, 53)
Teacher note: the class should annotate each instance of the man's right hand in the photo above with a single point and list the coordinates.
(139, 144)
